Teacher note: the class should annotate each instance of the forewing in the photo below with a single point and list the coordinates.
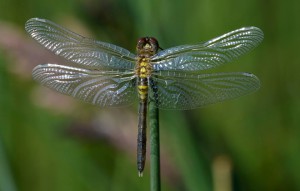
(182, 91)
(104, 89)
(79, 49)
(210, 54)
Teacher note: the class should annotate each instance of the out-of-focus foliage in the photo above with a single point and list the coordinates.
(51, 142)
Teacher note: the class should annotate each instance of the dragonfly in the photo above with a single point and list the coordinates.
(179, 78)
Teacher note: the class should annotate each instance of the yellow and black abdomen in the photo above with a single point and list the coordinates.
(143, 89)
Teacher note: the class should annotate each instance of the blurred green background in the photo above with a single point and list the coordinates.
(52, 142)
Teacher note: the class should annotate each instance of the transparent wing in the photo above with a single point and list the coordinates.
(105, 89)
(178, 90)
(79, 49)
(210, 54)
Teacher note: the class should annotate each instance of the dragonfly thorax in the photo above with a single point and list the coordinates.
(143, 67)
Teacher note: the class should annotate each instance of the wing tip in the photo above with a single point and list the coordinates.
(29, 25)
(254, 81)
(257, 32)
(30, 21)
(41, 67)
(33, 24)
(36, 19)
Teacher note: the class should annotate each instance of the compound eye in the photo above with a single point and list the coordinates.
(153, 41)
(141, 42)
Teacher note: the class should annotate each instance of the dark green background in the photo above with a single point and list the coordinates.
(51, 142)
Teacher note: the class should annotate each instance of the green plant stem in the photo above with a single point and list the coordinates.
(6, 179)
(154, 148)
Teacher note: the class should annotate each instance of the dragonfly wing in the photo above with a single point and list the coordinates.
(105, 89)
(210, 54)
(184, 91)
(79, 49)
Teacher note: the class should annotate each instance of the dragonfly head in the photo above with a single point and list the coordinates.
(147, 46)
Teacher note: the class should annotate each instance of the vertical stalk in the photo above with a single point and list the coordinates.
(6, 179)
(154, 147)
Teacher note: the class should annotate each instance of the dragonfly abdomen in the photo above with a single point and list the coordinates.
(142, 125)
